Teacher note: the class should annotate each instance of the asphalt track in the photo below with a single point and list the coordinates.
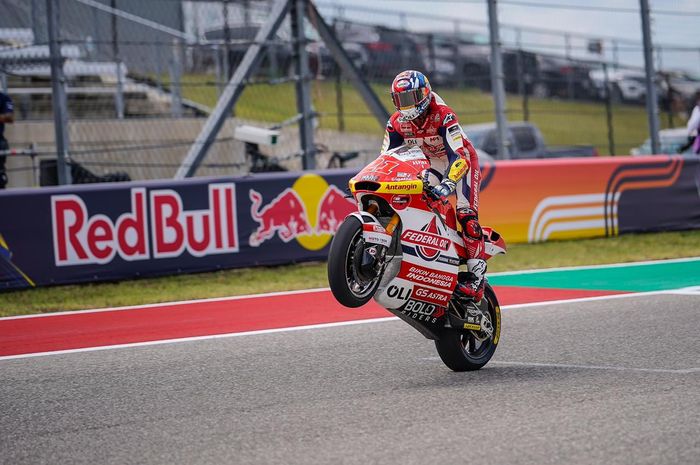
(614, 380)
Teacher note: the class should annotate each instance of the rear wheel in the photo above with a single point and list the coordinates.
(352, 284)
(468, 350)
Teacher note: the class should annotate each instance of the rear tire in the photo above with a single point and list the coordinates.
(347, 287)
(454, 345)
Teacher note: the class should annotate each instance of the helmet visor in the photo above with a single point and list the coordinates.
(408, 99)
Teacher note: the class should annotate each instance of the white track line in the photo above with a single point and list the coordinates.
(168, 304)
(595, 267)
(597, 367)
(321, 289)
(693, 290)
(316, 326)
(201, 338)
(569, 366)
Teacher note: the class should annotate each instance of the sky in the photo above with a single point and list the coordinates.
(666, 29)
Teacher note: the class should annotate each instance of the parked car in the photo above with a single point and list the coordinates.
(524, 141)
(456, 59)
(625, 86)
(322, 63)
(682, 85)
(564, 78)
(378, 51)
(670, 140)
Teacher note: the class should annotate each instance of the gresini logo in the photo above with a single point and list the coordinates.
(164, 230)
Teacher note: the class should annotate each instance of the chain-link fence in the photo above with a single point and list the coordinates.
(143, 76)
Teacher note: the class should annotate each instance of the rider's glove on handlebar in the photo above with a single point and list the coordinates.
(442, 190)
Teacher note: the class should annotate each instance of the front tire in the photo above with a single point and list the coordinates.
(470, 350)
(349, 286)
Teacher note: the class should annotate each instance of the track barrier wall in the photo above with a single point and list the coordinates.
(118, 231)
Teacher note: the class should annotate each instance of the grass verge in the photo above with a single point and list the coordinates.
(633, 247)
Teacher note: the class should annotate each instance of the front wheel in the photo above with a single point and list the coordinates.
(352, 284)
(467, 350)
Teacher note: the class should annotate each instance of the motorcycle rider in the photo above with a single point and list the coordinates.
(422, 118)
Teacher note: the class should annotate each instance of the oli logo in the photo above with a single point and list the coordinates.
(310, 211)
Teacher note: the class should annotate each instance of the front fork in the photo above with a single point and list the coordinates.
(376, 241)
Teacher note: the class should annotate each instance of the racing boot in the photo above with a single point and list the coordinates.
(470, 280)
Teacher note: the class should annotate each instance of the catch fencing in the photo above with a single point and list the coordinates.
(143, 76)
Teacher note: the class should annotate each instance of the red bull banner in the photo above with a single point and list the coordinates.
(127, 230)
(113, 231)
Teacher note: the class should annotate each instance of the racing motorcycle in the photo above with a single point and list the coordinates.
(402, 249)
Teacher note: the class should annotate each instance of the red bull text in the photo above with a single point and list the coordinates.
(79, 238)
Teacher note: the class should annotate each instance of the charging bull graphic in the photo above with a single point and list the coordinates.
(332, 210)
(285, 215)
(310, 215)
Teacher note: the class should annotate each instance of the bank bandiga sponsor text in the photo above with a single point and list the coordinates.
(163, 230)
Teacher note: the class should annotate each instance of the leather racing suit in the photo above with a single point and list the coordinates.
(451, 156)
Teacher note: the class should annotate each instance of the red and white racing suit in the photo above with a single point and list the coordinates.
(451, 156)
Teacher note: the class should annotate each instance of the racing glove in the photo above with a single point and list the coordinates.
(439, 193)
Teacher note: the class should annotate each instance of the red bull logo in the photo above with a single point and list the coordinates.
(285, 215)
(310, 211)
(165, 229)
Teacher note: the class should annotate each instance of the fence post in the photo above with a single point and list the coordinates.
(119, 95)
(94, 54)
(519, 72)
(497, 82)
(431, 52)
(227, 39)
(652, 104)
(303, 88)
(218, 70)
(157, 62)
(524, 81)
(608, 110)
(59, 102)
(175, 76)
(340, 108)
(40, 33)
(669, 101)
(460, 75)
(570, 80)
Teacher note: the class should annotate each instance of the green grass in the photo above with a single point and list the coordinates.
(268, 279)
(562, 122)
